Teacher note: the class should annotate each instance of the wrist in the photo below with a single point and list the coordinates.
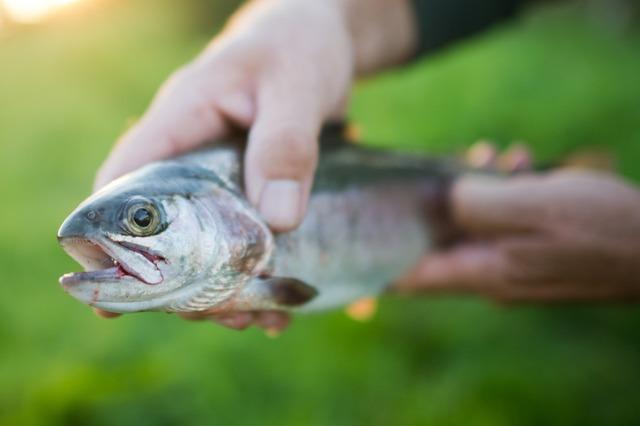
(383, 32)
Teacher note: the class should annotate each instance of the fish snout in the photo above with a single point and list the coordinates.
(80, 224)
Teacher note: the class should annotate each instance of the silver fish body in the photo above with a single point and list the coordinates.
(179, 235)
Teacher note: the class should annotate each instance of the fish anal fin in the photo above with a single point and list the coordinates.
(362, 310)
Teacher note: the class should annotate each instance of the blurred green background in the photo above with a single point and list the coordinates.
(561, 78)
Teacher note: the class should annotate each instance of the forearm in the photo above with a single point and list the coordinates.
(388, 32)
(383, 33)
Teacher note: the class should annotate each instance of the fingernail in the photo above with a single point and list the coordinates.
(280, 204)
(482, 154)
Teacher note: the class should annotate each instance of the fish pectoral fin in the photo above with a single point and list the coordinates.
(290, 291)
(274, 293)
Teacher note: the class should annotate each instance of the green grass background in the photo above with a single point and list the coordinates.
(557, 78)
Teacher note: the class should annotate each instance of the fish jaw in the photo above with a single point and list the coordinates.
(105, 289)
(136, 260)
(114, 274)
(123, 294)
(105, 259)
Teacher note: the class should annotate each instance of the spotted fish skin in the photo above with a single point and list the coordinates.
(365, 225)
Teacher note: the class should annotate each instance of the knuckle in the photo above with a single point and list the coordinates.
(182, 75)
(290, 152)
(186, 83)
(295, 141)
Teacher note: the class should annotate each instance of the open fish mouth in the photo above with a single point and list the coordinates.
(107, 261)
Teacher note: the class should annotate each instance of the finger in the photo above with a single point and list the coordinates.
(106, 314)
(282, 155)
(487, 205)
(186, 113)
(515, 159)
(272, 321)
(195, 316)
(471, 268)
(482, 155)
(235, 321)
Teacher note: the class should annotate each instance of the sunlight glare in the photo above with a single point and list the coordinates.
(33, 10)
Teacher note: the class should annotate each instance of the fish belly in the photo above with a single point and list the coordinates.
(353, 243)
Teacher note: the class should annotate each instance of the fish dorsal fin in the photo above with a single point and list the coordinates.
(335, 134)
(262, 293)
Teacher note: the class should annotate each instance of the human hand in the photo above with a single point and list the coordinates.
(566, 236)
(280, 69)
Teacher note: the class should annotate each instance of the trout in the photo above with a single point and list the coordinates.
(180, 236)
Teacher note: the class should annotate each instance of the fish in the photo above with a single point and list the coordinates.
(179, 235)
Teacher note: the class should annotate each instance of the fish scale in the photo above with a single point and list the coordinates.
(365, 225)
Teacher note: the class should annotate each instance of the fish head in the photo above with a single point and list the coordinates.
(146, 245)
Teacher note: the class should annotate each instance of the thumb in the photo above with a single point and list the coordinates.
(282, 155)
(488, 205)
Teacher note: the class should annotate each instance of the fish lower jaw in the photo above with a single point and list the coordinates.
(104, 265)
(115, 273)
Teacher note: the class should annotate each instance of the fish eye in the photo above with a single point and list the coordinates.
(142, 218)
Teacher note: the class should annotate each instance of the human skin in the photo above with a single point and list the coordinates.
(568, 236)
(283, 67)
(279, 70)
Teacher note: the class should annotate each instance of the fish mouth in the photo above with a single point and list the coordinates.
(107, 261)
